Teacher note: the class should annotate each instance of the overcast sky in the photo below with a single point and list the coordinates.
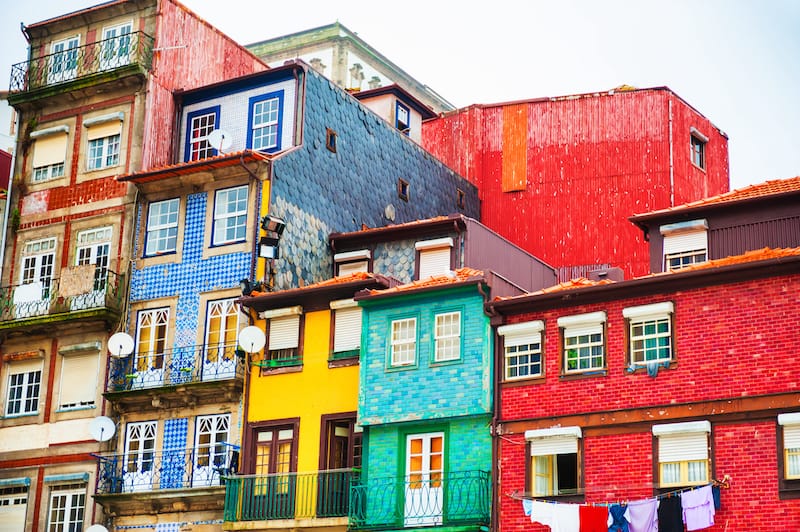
(736, 61)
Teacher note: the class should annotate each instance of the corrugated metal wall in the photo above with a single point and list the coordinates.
(591, 161)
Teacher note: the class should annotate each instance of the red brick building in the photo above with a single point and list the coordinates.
(558, 177)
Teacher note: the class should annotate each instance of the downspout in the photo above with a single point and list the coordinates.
(495, 474)
(8, 199)
(671, 161)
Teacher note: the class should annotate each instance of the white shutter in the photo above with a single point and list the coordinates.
(78, 380)
(583, 330)
(12, 512)
(347, 329)
(516, 334)
(434, 262)
(49, 150)
(682, 447)
(284, 332)
(791, 437)
(688, 241)
(105, 129)
(555, 445)
(352, 267)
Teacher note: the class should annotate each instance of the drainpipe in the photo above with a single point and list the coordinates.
(8, 197)
(671, 161)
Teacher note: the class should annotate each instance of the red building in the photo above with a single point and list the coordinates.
(626, 391)
(559, 176)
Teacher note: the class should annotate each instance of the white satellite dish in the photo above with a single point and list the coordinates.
(220, 140)
(97, 528)
(102, 428)
(120, 345)
(252, 339)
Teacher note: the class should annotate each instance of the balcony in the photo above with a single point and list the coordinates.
(316, 499)
(142, 481)
(74, 69)
(177, 377)
(82, 293)
(457, 499)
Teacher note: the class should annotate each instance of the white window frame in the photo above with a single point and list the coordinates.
(103, 152)
(352, 262)
(684, 244)
(546, 444)
(583, 328)
(24, 382)
(162, 230)
(230, 213)
(447, 337)
(74, 502)
(522, 343)
(644, 324)
(199, 147)
(116, 47)
(790, 424)
(697, 148)
(66, 59)
(403, 342)
(683, 449)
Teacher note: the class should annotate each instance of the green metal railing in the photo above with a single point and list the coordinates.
(81, 61)
(288, 496)
(457, 499)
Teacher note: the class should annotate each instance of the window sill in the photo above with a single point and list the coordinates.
(788, 489)
(21, 416)
(75, 409)
(437, 363)
(583, 375)
(634, 369)
(265, 371)
(343, 362)
(405, 367)
(523, 381)
(702, 169)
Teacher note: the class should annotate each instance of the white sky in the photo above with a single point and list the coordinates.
(736, 61)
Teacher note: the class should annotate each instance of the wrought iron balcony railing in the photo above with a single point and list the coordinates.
(456, 499)
(81, 61)
(181, 365)
(288, 495)
(79, 288)
(145, 470)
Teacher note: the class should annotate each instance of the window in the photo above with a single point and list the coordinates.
(404, 342)
(697, 143)
(685, 243)
(162, 227)
(23, 385)
(222, 329)
(522, 346)
(402, 118)
(402, 189)
(230, 215)
(266, 113)
(63, 60)
(554, 466)
(93, 249)
(80, 367)
(425, 459)
(352, 262)
(340, 452)
(67, 507)
(116, 46)
(460, 199)
(37, 264)
(447, 337)
(210, 449)
(650, 333)
(683, 453)
(583, 342)
(789, 425)
(434, 257)
(330, 140)
(103, 152)
(49, 153)
(274, 462)
(151, 344)
(283, 338)
(198, 126)
(139, 462)
(13, 506)
(346, 329)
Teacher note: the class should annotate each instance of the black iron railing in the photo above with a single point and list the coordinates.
(181, 365)
(81, 61)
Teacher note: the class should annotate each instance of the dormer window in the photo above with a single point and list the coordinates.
(199, 124)
(402, 118)
(685, 243)
(351, 262)
(698, 143)
(266, 114)
(434, 257)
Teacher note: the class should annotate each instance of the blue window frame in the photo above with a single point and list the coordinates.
(230, 216)
(198, 125)
(264, 122)
(402, 118)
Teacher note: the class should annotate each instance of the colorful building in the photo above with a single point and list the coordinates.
(560, 176)
(90, 101)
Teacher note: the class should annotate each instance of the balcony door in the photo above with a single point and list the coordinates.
(32, 296)
(151, 342)
(341, 453)
(423, 482)
(210, 449)
(219, 350)
(63, 60)
(140, 444)
(275, 467)
(116, 47)
(93, 249)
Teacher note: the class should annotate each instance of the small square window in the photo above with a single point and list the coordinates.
(650, 333)
(330, 140)
(684, 244)
(583, 342)
(402, 189)
(698, 147)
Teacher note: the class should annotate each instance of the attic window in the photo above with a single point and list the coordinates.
(402, 189)
(460, 199)
(330, 140)
(402, 120)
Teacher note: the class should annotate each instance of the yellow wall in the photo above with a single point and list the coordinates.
(308, 394)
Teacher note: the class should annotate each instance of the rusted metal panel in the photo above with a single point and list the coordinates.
(592, 161)
(515, 128)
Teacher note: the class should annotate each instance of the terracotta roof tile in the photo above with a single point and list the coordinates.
(188, 167)
(580, 282)
(750, 256)
(459, 276)
(759, 190)
(343, 279)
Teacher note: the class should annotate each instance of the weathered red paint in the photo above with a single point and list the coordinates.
(591, 162)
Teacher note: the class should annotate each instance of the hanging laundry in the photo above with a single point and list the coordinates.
(643, 515)
(698, 508)
(593, 518)
(715, 492)
(527, 506)
(618, 518)
(565, 518)
(542, 512)
(669, 514)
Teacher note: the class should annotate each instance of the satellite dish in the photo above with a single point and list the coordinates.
(252, 339)
(389, 212)
(120, 345)
(220, 140)
(102, 428)
(97, 528)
